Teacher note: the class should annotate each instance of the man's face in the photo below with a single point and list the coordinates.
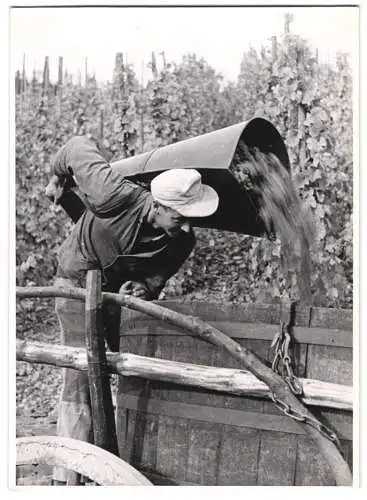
(171, 221)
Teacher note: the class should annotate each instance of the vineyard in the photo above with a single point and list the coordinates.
(308, 101)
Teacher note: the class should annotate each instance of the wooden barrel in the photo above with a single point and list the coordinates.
(186, 436)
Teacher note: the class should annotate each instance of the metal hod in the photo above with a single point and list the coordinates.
(211, 154)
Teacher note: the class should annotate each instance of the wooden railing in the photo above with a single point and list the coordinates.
(195, 327)
(227, 380)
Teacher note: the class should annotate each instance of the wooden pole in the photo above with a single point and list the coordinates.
(229, 380)
(34, 81)
(288, 18)
(86, 70)
(23, 75)
(46, 76)
(248, 359)
(163, 59)
(154, 66)
(17, 82)
(60, 73)
(60, 83)
(274, 47)
(104, 428)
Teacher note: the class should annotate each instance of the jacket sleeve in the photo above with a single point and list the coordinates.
(178, 252)
(103, 189)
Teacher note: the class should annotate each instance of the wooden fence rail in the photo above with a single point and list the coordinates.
(228, 380)
(197, 328)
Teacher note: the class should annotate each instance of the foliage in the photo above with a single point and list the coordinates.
(185, 101)
(311, 105)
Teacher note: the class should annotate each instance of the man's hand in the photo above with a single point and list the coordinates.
(136, 289)
(54, 189)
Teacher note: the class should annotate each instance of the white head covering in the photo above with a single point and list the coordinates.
(182, 190)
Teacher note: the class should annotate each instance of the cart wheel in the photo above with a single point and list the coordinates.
(97, 464)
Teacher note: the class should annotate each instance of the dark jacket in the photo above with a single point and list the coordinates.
(106, 235)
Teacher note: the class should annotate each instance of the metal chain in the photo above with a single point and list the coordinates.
(302, 417)
(281, 343)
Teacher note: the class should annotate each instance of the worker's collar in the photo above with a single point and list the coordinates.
(147, 212)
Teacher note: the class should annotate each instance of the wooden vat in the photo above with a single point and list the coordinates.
(186, 436)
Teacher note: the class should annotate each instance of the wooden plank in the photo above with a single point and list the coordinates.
(124, 342)
(129, 343)
(332, 318)
(129, 431)
(204, 442)
(205, 378)
(141, 442)
(182, 348)
(163, 348)
(169, 391)
(164, 345)
(260, 331)
(261, 349)
(160, 480)
(226, 312)
(295, 314)
(121, 431)
(204, 354)
(131, 385)
(228, 416)
(181, 352)
(260, 313)
(189, 349)
(339, 420)
(277, 459)
(217, 401)
(172, 447)
(311, 467)
(299, 355)
(147, 346)
(331, 364)
(223, 359)
(238, 457)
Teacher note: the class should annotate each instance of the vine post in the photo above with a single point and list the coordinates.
(17, 82)
(104, 427)
(46, 76)
(154, 66)
(274, 47)
(60, 83)
(23, 80)
(86, 70)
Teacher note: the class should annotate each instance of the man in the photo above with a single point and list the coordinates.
(137, 238)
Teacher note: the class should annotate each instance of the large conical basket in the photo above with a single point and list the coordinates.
(212, 154)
